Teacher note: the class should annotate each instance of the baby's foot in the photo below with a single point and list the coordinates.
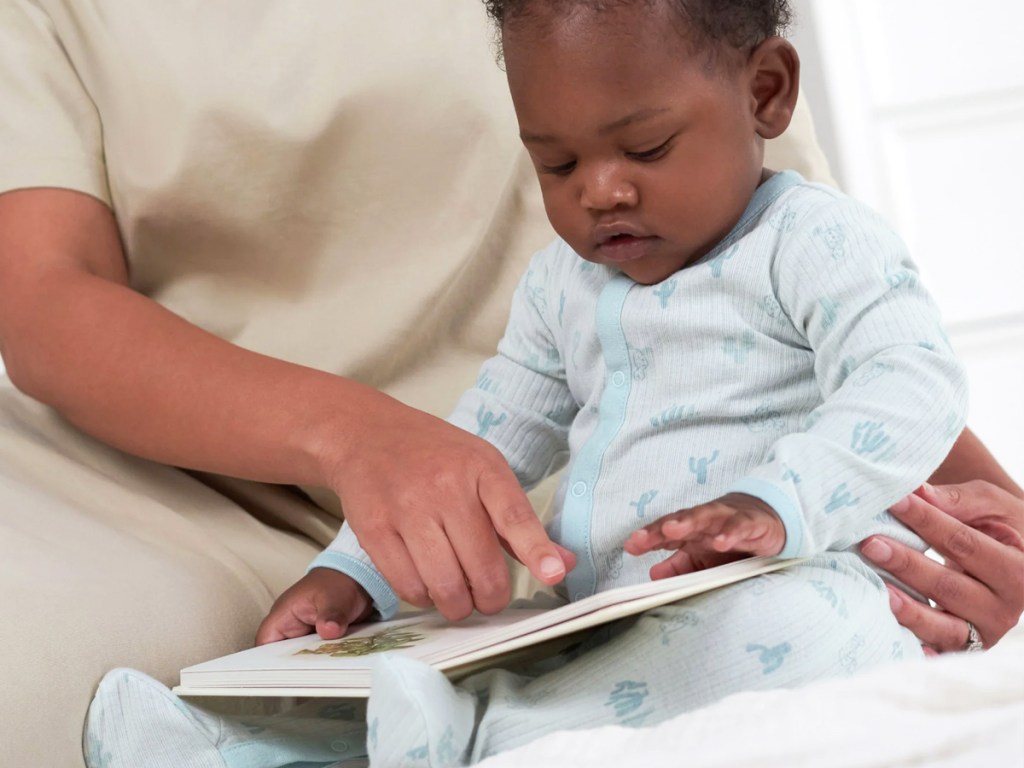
(417, 717)
(134, 720)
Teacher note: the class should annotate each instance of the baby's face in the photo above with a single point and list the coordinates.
(646, 156)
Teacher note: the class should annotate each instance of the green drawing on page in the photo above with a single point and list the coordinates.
(386, 640)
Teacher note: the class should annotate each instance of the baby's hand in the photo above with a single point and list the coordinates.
(323, 600)
(710, 534)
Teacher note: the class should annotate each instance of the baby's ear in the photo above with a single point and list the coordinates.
(774, 68)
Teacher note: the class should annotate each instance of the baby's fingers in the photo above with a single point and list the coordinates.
(739, 532)
(707, 520)
(650, 538)
(676, 564)
(274, 628)
(670, 531)
(333, 615)
(644, 540)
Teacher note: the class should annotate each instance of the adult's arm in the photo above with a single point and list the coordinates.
(972, 513)
(124, 369)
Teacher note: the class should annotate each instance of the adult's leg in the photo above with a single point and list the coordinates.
(110, 561)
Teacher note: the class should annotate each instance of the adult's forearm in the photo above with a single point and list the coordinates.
(969, 459)
(136, 376)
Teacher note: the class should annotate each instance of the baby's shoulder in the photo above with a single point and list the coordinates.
(810, 208)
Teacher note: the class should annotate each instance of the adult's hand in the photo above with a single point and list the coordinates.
(979, 529)
(432, 505)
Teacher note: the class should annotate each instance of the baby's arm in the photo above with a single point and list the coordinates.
(894, 396)
(894, 393)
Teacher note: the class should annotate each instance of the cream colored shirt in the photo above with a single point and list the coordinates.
(340, 185)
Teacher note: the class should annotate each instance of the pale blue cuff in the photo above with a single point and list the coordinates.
(784, 506)
(385, 601)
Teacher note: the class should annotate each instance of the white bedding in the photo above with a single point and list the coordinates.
(956, 711)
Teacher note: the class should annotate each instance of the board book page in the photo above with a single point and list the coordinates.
(311, 666)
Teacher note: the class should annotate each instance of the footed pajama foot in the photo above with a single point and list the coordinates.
(417, 718)
(136, 721)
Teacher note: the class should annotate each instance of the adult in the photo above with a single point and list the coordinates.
(253, 243)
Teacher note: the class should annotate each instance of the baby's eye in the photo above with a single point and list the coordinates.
(558, 170)
(649, 155)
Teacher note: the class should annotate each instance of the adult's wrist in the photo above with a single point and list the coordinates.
(342, 416)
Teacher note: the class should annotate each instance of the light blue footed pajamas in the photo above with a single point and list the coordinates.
(801, 362)
(824, 618)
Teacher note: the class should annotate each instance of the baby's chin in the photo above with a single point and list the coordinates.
(650, 273)
(646, 264)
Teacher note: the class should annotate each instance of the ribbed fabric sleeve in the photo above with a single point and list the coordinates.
(895, 396)
(521, 402)
(345, 554)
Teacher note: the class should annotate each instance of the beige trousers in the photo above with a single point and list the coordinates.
(107, 560)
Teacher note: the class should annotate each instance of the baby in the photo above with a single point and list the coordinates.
(729, 360)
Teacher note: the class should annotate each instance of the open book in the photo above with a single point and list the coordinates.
(310, 666)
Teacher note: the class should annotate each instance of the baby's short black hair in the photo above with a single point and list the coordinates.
(737, 23)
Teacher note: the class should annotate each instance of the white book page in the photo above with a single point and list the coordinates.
(310, 665)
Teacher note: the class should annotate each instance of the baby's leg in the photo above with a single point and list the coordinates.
(135, 721)
(824, 618)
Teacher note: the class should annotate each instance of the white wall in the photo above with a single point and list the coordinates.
(920, 106)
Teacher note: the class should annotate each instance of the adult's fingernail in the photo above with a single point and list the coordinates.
(877, 550)
(895, 601)
(551, 567)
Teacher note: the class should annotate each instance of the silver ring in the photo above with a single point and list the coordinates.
(973, 640)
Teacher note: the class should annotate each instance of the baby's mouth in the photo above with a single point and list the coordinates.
(625, 246)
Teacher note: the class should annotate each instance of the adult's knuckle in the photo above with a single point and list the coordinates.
(492, 576)
(413, 592)
(490, 590)
(954, 493)
(456, 611)
(447, 591)
(952, 637)
(981, 490)
(948, 588)
(373, 528)
(962, 543)
(516, 515)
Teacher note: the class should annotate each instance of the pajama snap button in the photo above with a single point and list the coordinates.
(578, 596)
(618, 378)
(579, 488)
(339, 746)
